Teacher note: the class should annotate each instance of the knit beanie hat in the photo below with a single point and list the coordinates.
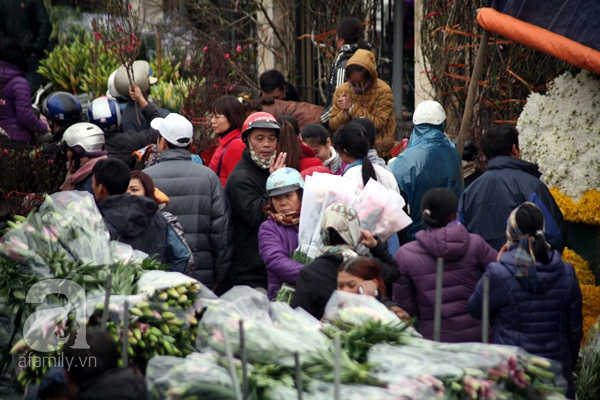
(438, 205)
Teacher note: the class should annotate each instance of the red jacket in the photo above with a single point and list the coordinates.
(228, 154)
(308, 159)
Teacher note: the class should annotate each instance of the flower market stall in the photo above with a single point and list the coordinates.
(191, 344)
(560, 131)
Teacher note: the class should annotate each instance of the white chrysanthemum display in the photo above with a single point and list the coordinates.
(560, 131)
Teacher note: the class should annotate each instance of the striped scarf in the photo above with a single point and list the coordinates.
(525, 270)
(291, 218)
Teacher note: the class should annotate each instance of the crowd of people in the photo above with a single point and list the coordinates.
(234, 221)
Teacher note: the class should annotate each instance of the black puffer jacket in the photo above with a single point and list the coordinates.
(114, 384)
(247, 195)
(199, 202)
(123, 143)
(135, 220)
(318, 280)
(27, 22)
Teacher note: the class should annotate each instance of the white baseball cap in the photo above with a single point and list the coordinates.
(175, 128)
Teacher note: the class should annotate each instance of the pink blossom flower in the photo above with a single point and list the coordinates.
(98, 35)
(226, 55)
(238, 49)
(205, 48)
(215, 85)
(230, 88)
(129, 6)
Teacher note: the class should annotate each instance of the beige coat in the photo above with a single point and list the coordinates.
(376, 104)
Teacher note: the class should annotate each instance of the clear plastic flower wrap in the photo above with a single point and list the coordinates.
(80, 227)
(125, 253)
(198, 376)
(486, 370)
(264, 342)
(380, 210)
(356, 308)
(407, 390)
(174, 288)
(320, 191)
(298, 323)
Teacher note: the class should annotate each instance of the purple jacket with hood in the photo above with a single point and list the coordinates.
(464, 253)
(16, 114)
(276, 244)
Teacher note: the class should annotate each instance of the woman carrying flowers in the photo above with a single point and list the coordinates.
(341, 234)
(535, 300)
(278, 235)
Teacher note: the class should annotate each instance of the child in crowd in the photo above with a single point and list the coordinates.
(278, 235)
(317, 138)
(351, 143)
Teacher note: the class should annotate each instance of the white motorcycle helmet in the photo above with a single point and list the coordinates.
(141, 74)
(112, 89)
(429, 112)
(85, 139)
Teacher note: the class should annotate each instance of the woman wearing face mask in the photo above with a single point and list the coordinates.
(278, 235)
(341, 234)
(246, 191)
(349, 37)
(365, 95)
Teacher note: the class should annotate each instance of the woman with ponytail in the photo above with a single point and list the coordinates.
(535, 299)
(351, 143)
(465, 257)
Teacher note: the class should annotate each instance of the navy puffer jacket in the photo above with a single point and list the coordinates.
(486, 204)
(547, 323)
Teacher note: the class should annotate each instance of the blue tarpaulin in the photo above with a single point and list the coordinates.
(578, 20)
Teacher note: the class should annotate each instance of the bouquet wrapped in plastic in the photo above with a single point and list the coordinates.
(474, 370)
(380, 210)
(264, 342)
(320, 191)
(198, 376)
(174, 288)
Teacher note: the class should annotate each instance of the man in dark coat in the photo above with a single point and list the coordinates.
(509, 181)
(197, 199)
(246, 190)
(135, 220)
(27, 22)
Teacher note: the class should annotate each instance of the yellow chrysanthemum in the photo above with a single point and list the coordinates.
(591, 306)
(585, 276)
(586, 210)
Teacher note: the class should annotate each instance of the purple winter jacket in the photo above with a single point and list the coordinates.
(16, 114)
(276, 244)
(463, 253)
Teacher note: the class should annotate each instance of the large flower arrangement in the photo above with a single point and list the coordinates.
(560, 132)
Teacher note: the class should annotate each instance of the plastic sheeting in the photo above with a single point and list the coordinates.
(430, 161)
(576, 20)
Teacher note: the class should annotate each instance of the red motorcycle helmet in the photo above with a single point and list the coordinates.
(259, 120)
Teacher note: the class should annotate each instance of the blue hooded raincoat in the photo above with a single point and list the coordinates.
(430, 161)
